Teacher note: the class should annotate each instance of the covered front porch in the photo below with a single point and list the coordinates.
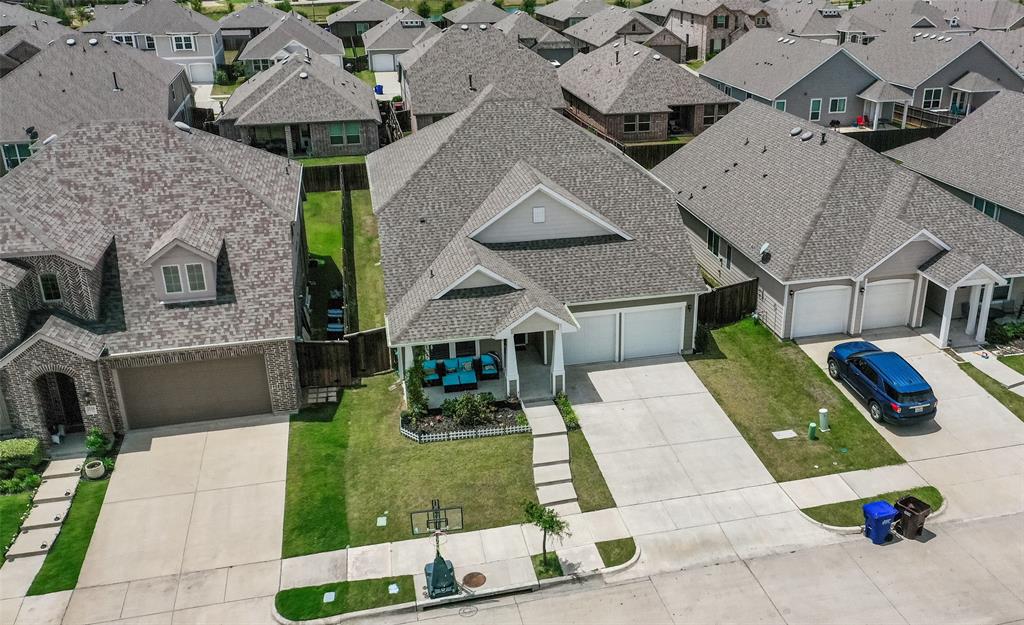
(881, 104)
(958, 316)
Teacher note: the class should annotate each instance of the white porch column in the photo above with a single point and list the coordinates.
(986, 303)
(511, 367)
(557, 364)
(972, 312)
(877, 113)
(947, 317)
(906, 109)
(405, 361)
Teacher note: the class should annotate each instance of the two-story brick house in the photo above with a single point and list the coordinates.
(708, 26)
(150, 274)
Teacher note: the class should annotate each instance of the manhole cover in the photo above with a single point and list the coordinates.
(474, 580)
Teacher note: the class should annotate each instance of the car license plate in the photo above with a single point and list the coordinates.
(921, 408)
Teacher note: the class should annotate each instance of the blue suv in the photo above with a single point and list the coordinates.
(894, 391)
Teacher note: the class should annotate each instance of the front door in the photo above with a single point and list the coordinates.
(958, 103)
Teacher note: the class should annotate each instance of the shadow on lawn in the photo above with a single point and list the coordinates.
(324, 276)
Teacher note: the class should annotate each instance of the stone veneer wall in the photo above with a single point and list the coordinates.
(79, 287)
(14, 308)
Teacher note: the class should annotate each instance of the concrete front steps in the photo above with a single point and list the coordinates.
(49, 508)
(551, 474)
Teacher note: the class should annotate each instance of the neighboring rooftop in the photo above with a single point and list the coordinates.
(826, 209)
(494, 152)
(759, 63)
(810, 18)
(1009, 45)
(251, 16)
(879, 16)
(626, 77)
(984, 14)
(82, 192)
(106, 16)
(154, 17)
(521, 26)
(16, 15)
(401, 31)
(602, 27)
(363, 11)
(291, 33)
(447, 72)
(475, 12)
(64, 85)
(980, 155)
(301, 90)
(563, 10)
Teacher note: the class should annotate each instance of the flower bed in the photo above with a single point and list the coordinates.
(466, 416)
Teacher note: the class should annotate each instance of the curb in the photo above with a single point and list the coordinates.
(859, 529)
(608, 570)
(409, 606)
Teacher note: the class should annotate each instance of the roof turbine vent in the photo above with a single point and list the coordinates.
(93, 41)
(70, 41)
(464, 26)
(303, 75)
(483, 26)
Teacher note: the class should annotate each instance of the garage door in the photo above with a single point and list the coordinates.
(200, 73)
(382, 62)
(821, 310)
(887, 303)
(594, 342)
(651, 332)
(195, 391)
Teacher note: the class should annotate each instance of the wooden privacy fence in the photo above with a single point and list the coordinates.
(317, 178)
(883, 140)
(324, 363)
(728, 303)
(369, 353)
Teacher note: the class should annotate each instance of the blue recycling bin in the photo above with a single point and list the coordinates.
(878, 518)
(378, 89)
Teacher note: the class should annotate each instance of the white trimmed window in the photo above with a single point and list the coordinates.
(932, 98)
(50, 287)
(196, 277)
(714, 242)
(837, 105)
(127, 40)
(636, 123)
(815, 110)
(538, 214)
(345, 133)
(258, 65)
(183, 43)
(780, 104)
(15, 154)
(988, 208)
(172, 279)
(147, 43)
(721, 21)
(760, 21)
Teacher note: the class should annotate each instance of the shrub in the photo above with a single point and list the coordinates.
(22, 473)
(284, 5)
(1000, 334)
(529, 6)
(470, 411)
(499, 3)
(96, 442)
(108, 464)
(572, 422)
(196, 5)
(423, 9)
(447, 6)
(414, 386)
(397, 98)
(10, 487)
(31, 482)
(20, 452)
(221, 77)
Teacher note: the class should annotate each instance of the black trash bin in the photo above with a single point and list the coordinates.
(912, 513)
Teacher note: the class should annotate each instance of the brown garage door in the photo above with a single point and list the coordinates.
(194, 391)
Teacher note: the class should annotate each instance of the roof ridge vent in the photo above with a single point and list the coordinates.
(464, 26)
(303, 75)
(483, 26)
(657, 57)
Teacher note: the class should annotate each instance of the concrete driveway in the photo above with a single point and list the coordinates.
(973, 450)
(189, 499)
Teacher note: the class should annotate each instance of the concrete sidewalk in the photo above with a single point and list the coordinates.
(989, 364)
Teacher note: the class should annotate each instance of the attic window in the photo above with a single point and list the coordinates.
(172, 279)
(538, 214)
(50, 287)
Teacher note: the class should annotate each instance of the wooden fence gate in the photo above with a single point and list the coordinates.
(369, 353)
(728, 303)
(324, 363)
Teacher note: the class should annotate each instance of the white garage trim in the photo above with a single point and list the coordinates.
(830, 316)
(893, 308)
(202, 67)
(680, 306)
(568, 339)
(390, 62)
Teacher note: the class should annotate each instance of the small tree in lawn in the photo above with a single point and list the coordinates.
(423, 9)
(529, 6)
(447, 6)
(414, 386)
(548, 521)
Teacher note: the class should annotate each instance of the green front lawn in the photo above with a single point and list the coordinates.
(303, 604)
(1014, 362)
(850, 513)
(367, 77)
(616, 552)
(591, 490)
(1013, 402)
(316, 161)
(695, 65)
(322, 213)
(347, 465)
(369, 274)
(351, 53)
(227, 90)
(317, 12)
(12, 508)
(64, 561)
(766, 385)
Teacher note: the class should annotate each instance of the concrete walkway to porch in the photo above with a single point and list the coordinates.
(988, 364)
(551, 473)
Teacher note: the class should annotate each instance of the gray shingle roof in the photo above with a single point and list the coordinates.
(363, 11)
(252, 15)
(107, 16)
(904, 60)
(195, 230)
(986, 14)
(625, 77)
(760, 64)
(879, 16)
(11, 275)
(881, 91)
(65, 333)
(521, 25)
(131, 181)
(802, 18)
(976, 83)
(281, 95)
(475, 12)
(15, 15)
(1009, 45)
(63, 86)
(981, 154)
(827, 211)
(291, 28)
(436, 71)
(436, 187)
(604, 26)
(391, 34)
(563, 10)
(162, 17)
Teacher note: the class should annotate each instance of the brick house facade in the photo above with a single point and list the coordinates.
(615, 125)
(711, 33)
(318, 134)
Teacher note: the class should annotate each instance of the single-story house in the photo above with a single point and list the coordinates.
(150, 275)
(350, 23)
(706, 27)
(443, 74)
(817, 81)
(291, 34)
(522, 28)
(238, 27)
(473, 13)
(556, 250)
(614, 23)
(304, 106)
(978, 159)
(173, 31)
(562, 14)
(74, 78)
(395, 35)
(630, 93)
(839, 238)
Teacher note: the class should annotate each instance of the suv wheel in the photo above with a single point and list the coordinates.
(833, 368)
(876, 412)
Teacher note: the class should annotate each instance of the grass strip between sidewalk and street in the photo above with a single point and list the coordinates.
(616, 552)
(307, 603)
(64, 561)
(592, 491)
(765, 385)
(850, 513)
(1014, 362)
(1013, 402)
(549, 569)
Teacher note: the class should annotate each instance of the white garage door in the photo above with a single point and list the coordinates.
(594, 342)
(200, 73)
(887, 303)
(821, 310)
(382, 62)
(653, 332)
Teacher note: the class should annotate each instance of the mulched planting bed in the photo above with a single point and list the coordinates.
(506, 415)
